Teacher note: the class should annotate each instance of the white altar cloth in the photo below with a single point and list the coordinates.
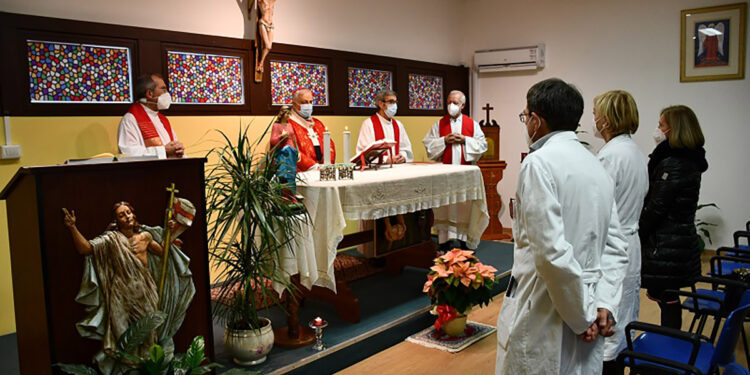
(454, 192)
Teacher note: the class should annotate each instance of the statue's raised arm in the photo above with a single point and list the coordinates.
(81, 243)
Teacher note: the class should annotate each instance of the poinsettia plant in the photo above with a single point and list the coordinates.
(459, 280)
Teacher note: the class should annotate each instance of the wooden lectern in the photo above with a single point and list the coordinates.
(47, 270)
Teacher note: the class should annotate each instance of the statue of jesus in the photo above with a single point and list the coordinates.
(263, 35)
(119, 285)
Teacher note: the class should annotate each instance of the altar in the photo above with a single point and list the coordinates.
(455, 193)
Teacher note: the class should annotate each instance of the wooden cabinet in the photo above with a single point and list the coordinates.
(492, 173)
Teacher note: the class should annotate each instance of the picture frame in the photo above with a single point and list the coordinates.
(713, 43)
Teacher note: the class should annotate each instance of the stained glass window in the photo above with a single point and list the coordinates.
(197, 78)
(288, 76)
(73, 73)
(365, 84)
(425, 92)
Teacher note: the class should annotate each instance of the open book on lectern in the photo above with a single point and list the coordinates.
(375, 150)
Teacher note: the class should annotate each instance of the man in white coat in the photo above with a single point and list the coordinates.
(454, 139)
(144, 131)
(382, 125)
(615, 118)
(570, 256)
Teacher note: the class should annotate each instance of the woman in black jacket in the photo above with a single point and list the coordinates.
(669, 242)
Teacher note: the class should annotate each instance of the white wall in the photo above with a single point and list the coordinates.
(383, 27)
(603, 45)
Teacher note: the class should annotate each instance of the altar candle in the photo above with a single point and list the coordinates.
(347, 141)
(318, 321)
(326, 147)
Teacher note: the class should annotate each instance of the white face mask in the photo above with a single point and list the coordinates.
(659, 136)
(597, 132)
(453, 109)
(529, 138)
(305, 110)
(162, 102)
(390, 111)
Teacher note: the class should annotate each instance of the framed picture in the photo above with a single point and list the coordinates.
(713, 43)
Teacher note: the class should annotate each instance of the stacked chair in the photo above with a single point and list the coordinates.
(661, 350)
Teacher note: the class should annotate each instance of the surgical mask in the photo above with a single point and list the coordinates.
(453, 109)
(529, 138)
(597, 132)
(305, 110)
(390, 111)
(162, 102)
(659, 136)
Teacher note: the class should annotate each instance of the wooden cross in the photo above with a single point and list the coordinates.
(488, 109)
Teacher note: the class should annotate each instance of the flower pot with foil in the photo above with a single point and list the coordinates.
(249, 346)
(449, 321)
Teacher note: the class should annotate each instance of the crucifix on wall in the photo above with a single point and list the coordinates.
(264, 31)
(491, 131)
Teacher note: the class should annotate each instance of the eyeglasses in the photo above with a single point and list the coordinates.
(392, 101)
(523, 116)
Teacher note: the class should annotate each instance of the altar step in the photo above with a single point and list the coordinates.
(392, 306)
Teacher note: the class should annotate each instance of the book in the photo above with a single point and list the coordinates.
(375, 150)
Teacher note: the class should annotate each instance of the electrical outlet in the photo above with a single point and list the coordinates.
(10, 152)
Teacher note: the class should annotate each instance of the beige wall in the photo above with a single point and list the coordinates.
(605, 45)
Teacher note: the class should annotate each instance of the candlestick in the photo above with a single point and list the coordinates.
(326, 147)
(318, 324)
(347, 141)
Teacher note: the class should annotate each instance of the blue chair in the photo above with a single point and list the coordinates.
(728, 266)
(670, 351)
(735, 369)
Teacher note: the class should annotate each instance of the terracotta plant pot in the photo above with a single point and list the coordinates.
(249, 346)
(455, 327)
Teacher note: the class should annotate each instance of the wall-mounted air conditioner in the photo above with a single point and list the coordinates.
(509, 59)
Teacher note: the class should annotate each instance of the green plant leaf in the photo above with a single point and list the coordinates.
(156, 353)
(195, 354)
(75, 369)
(137, 333)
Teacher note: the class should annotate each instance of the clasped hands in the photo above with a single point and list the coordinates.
(174, 149)
(396, 159)
(454, 138)
(601, 326)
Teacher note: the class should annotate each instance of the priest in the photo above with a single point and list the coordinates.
(454, 139)
(570, 254)
(382, 125)
(144, 131)
(308, 131)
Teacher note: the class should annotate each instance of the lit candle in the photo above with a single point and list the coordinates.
(318, 321)
(326, 147)
(347, 141)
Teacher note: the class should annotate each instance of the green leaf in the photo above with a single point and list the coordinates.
(156, 353)
(195, 354)
(127, 357)
(75, 369)
(141, 329)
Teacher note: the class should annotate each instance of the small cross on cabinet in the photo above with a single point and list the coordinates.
(487, 109)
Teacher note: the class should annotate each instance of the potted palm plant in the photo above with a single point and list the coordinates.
(249, 224)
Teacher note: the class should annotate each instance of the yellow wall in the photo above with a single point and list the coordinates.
(52, 140)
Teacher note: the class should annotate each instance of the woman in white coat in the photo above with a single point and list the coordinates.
(615, 118)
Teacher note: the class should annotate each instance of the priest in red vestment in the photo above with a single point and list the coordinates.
(382, 125)
(454, 139)
(143, 130)
(308, 131)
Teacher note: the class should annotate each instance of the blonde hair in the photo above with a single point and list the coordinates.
(619, 108)
(685, 131)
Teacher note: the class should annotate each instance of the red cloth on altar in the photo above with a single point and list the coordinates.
(148, 130)
(305, 145)
(467, 130)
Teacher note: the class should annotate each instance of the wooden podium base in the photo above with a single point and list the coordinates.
(283, 338)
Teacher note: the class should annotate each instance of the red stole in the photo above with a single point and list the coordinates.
(467, 130)
(379, 134)
(148, 130)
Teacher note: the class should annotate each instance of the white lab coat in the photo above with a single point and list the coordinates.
(627, 166)
(569, 259)
(472, 150)
(367, 136)
(130, 140)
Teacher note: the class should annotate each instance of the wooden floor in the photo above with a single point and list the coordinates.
(409, 358)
